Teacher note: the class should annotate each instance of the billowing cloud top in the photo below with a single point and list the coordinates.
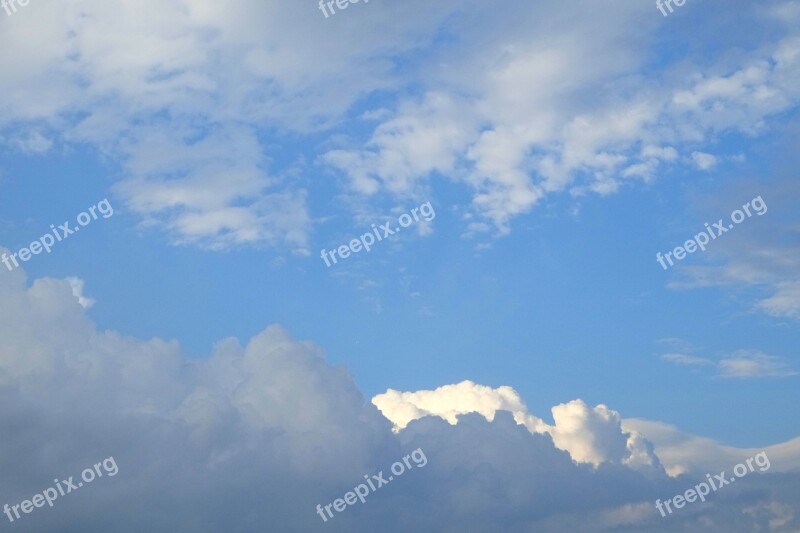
(589, 434)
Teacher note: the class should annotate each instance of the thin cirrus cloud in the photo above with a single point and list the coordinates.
(752, 364)
(688, 360)
(743, 364)
(785, 302)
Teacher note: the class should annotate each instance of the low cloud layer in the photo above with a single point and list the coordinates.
(256, 435)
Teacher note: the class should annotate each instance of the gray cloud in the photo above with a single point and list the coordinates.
(257, 435)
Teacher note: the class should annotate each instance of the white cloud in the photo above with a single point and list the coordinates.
(594, 435)
(77, 291)
(32, 142)
(785, 302)
(516, 111)
(449, 401)
(760, 254)
(213, 191)
(189, 96)
(683, 359)
(589, 434)
(743, 364)
(704, 161)
(681, 452)
(749, 364)
(535, 130)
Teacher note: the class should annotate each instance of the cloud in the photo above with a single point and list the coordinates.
(194, 100)
(704, 161)
(683, 359)
(682, 453)
(266, 430)
(449, 401)
(77, 291)
(785, 302)
(743, 364)
(749, 364)
(514, 147)
(33, 142)
(589, 434)
(218, 102)
(212, 191)
(759, 258)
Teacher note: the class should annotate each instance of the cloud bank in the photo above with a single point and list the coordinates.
(260, 433)
(214, 117)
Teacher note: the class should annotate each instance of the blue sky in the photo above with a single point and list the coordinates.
(561, 147)
(542, 308)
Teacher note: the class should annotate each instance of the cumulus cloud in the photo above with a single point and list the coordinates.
(449, 401)
(515, 146)
(196, 99)
(262, 432)
(590, 435)
(193, 99)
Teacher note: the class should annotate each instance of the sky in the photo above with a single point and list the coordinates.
(520, 328)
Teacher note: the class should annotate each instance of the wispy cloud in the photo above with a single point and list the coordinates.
(785, 302)
(743, 364)
(746, 364)
(762, 257)
(683, 359)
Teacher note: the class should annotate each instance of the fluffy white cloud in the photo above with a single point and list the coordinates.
(189, 97)
(529, 125)
(449, 401)
(196, 100)
(704, 161)
(589, 434)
